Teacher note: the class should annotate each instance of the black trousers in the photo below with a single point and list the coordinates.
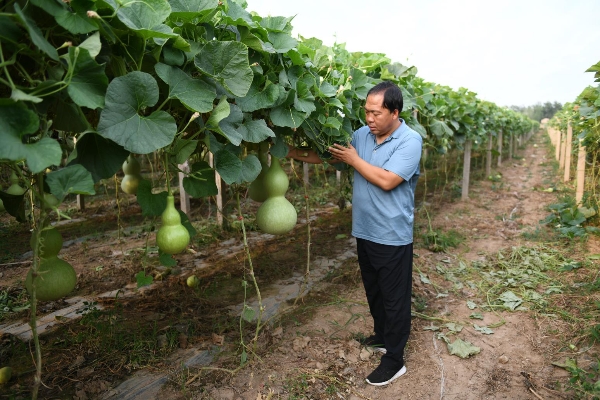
(387, 276)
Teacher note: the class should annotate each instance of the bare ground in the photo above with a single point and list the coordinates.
(310, 351)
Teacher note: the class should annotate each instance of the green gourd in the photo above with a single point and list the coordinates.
(132, 171)
(257, 191)
(56, 278)
(14, 188)
(50, 201)
(276, 215)
(172, 237)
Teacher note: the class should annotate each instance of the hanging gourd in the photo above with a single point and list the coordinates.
(55, 277)
(172, 237)
(276, 215)
(50, 201)
(14, 188)
(132, 171)
(257, 191)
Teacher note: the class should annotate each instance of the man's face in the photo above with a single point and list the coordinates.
(380, 120)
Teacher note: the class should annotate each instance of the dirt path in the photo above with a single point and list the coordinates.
(319, 359)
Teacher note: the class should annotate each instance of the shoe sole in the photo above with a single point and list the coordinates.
(398, 375)
(381, 350)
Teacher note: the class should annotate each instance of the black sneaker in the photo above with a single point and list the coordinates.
(374, 343)
(384, 375)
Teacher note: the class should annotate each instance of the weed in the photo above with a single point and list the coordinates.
(568, 219)
(438, 241)
(586, 383)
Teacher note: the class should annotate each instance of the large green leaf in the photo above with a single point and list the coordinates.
(440, 128)
(144, 17)
(69, 117)
(152, 204)
(255, 131)
(282, 42)
(182, 150)
(201, 181)
(193, 93)
(120, 121)
(228, 165)
(16, 122)
(250, 169)
(101, 156)
(37, 37)
(72, 179)
(88, 82)
(225, 119)
(256, 99)
(9, 31)
(191, 9)
(238, 16)
(71, 16)
(304, 101)
(287, 117)
(227, 62)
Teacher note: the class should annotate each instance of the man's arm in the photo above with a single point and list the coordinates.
(307, 155)
(380, 177)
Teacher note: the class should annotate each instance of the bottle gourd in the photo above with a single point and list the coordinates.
(55, 278)
(276, 215)
(172, 237)
(132, 171)
(257, 191)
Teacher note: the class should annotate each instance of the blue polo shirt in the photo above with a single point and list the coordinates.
(386, 216)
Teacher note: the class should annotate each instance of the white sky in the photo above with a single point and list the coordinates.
(510, 52)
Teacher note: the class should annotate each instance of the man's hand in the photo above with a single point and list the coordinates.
(344, 154)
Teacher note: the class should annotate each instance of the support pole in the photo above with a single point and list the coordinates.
(568, 150)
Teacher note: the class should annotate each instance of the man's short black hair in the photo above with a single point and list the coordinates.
(392, 95)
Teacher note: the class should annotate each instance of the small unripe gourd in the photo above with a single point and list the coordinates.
(56, 278)
(5, 375)
(172, 237)
(276, 215)
(132, 170)
(257, 191)
(14, 188)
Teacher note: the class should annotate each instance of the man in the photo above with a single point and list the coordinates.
(385, 156)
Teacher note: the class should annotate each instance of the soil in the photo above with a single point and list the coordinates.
(309, 347)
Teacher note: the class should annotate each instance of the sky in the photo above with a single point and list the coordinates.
(509, 52)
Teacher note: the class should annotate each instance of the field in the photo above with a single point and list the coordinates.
(514, 302)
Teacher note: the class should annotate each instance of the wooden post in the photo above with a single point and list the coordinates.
(499, 148)
(80, 202)
(219, 197)
(580, 173)
(563, 149)
(568, 150)
(510, 146)
(466, 170)
(184, 197)
(557, 144)
(338, 177)
(488, 160)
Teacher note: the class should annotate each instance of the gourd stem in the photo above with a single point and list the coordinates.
(34, 270)
(308, 237)
(251, 272)
(167, 174)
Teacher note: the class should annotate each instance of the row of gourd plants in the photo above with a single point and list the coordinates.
(181, 78)
(576, 218)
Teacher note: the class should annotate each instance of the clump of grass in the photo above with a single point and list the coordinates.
(438, 241)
